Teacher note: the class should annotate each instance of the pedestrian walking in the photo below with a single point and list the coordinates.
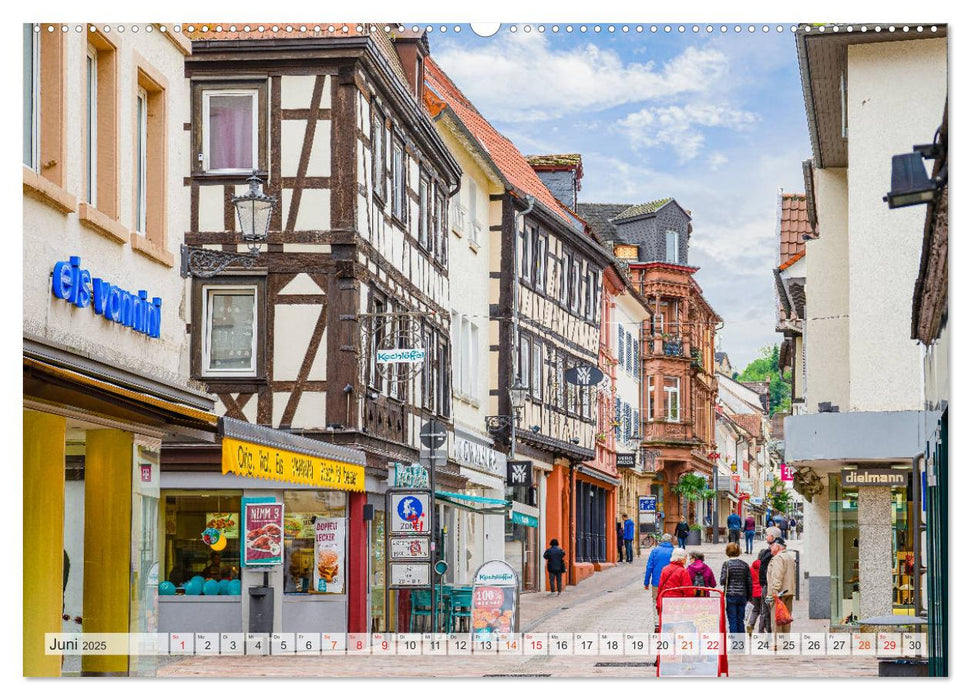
(749, 533)
(555, 566)
(681, 532)
(781, 578)
(792, 527)
(782, 522)
(765, 556)
(701, 574)
(755, 614)
(734, 527)
(675, 576)
(736, 580)
(659, 558)
(620, 542)
(628, 537)
(768, 520)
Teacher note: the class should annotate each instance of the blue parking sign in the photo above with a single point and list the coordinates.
(647, 504)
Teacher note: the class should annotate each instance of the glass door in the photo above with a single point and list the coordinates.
(146, 551)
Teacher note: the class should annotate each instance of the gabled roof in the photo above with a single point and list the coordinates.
(513, 166)
(598, 218)
(642, 209)
(793, 224)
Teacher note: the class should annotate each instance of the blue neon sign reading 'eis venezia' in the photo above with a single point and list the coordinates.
(75, 285)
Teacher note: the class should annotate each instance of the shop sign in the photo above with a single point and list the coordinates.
(472, 454)
(519, 472)
(410, 575)
(786, 472)
(398, 356)
(692, 616)
(874, 477)
(264, 534)
(254, 460)
(329, 555)
(409, 476)
(745, 486)
(647, 504)
(495, 598)
(410, 548)
(226, 523)
(409, 512)
(583, 375)
(76, 286)
(523, 519)
(756, 501)
(626, 460)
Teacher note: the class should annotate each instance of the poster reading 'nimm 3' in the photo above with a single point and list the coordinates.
(264, 534)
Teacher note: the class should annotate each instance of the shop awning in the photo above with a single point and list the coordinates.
(476, 504)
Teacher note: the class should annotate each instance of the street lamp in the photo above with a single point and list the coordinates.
(517, 396)
(909, 183)
(254, 210)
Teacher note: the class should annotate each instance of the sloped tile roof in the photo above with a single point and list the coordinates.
(598, 218)
(794, 222)
(641, 209)
(561, 161)
(511, 163)
(750, 422)
(793, 259)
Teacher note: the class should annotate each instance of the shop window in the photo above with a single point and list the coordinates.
(230, 127)
(310, 567)
(187, 514)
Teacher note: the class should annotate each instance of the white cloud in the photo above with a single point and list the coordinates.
(520, 77)
(716, 160)
(677, 126)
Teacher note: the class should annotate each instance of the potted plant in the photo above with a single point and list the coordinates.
(601, 437)
(693, 488)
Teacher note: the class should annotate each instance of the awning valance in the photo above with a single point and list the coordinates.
(476, 504)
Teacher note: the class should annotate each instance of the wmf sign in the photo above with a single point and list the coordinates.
(519, 472)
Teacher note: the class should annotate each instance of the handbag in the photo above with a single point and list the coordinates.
(782, 614)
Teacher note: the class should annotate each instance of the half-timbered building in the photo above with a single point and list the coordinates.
(356, 263)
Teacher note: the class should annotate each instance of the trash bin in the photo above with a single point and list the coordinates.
(895, 668)
(261, 609)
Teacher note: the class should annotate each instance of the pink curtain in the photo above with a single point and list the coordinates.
(231, 132)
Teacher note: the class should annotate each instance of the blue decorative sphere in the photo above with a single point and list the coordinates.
(166, 588)
(235, 587)
(211, 587)
(193, 587)
(200, 579)
(224, 587)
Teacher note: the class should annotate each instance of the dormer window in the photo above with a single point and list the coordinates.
(671, 254)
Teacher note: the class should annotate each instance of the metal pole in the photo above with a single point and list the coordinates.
(714, 524)
(433, 527)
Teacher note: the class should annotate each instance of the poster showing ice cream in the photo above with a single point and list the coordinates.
(264, 534)
(329, 555)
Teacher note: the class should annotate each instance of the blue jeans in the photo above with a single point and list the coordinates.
(735, 611)
(629, 546)
(749, 538)
(681, 541)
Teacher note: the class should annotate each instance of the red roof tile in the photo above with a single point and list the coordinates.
(794, 222)
(511, 163)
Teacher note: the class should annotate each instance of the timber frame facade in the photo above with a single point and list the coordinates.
(360, 232)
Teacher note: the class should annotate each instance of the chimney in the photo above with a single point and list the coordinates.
(412, 48)
(561, 174)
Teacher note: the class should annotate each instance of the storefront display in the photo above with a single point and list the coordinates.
(312, 567)
(186, 555)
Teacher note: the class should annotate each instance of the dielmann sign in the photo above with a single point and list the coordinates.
(74, 284)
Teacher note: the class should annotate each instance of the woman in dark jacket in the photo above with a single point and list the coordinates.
(681, 532)
(555, 566)
(736, 578)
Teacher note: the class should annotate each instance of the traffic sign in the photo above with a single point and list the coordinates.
(433, 434)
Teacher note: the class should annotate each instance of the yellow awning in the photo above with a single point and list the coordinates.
(265, 462)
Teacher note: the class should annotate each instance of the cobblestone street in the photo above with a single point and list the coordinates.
(613, 600)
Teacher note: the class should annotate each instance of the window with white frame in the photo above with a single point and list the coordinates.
(621, 333)
(91, 127)
(31, 97)
(671, 252)
(378, 163)
(474, 227)
(465, 366)
(650, 398)
(424, 210)
(141, 161)
(230, 124)
(540, 244)
(526, 241)
(672, 399)
(618, 414)
(562, 268)
(536, 380)
(399, 200)
(575, 286)
(472, 385)
(229, 344)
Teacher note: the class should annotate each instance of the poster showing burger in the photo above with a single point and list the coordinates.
(329, 555)
(264, 534)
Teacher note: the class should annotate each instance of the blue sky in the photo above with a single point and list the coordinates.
(714, 120)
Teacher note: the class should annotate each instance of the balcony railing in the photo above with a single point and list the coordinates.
(696, 358)
(663, 430)
(673, 348)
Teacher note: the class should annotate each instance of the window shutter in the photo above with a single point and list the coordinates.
(617, 417)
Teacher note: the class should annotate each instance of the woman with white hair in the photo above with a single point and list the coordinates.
(675, 578)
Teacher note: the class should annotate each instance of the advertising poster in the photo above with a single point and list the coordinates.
(329, 565)
(409, 513)
(691, 616)
(226, 523)
(494, 599)
(264, 534)
(299, 525)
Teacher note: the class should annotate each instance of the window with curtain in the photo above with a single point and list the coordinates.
(230, 330)
(230, 130)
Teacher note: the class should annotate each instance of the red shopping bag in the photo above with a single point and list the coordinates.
(782, 614)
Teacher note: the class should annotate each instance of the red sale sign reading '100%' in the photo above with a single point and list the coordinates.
(488, 597)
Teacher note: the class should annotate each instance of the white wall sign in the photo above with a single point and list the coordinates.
(413, 548)
(408, 356)
(410, 575)
(477, 456)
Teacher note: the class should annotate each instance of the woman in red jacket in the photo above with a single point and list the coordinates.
(756, 598)
(675, 576)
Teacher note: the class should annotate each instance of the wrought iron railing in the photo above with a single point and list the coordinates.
(673, 348)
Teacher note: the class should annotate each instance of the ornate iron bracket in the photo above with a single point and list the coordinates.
(498, 425)
(201, 262)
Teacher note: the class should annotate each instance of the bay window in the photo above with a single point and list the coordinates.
(650, 398)
(672, 399)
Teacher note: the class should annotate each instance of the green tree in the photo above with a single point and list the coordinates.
(780, 385)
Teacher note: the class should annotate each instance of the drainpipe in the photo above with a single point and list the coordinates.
(514, 342)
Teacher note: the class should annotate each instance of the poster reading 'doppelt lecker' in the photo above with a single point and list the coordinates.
(329, 555)
(264, 534)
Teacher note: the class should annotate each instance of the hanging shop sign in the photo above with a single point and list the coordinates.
(226, 523)
(874, 477)
(583, 375)
(495, 599)
(416, 548)
(75, 285)
(263, 523)
(519, 472)
(398, 356)
(329, 554)
(254, 460)
(756, 501)
(410, 575)
(478, 456)
(408, 476)
(409, 512)
(523, 519)
(626, 460)
(786, 472)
